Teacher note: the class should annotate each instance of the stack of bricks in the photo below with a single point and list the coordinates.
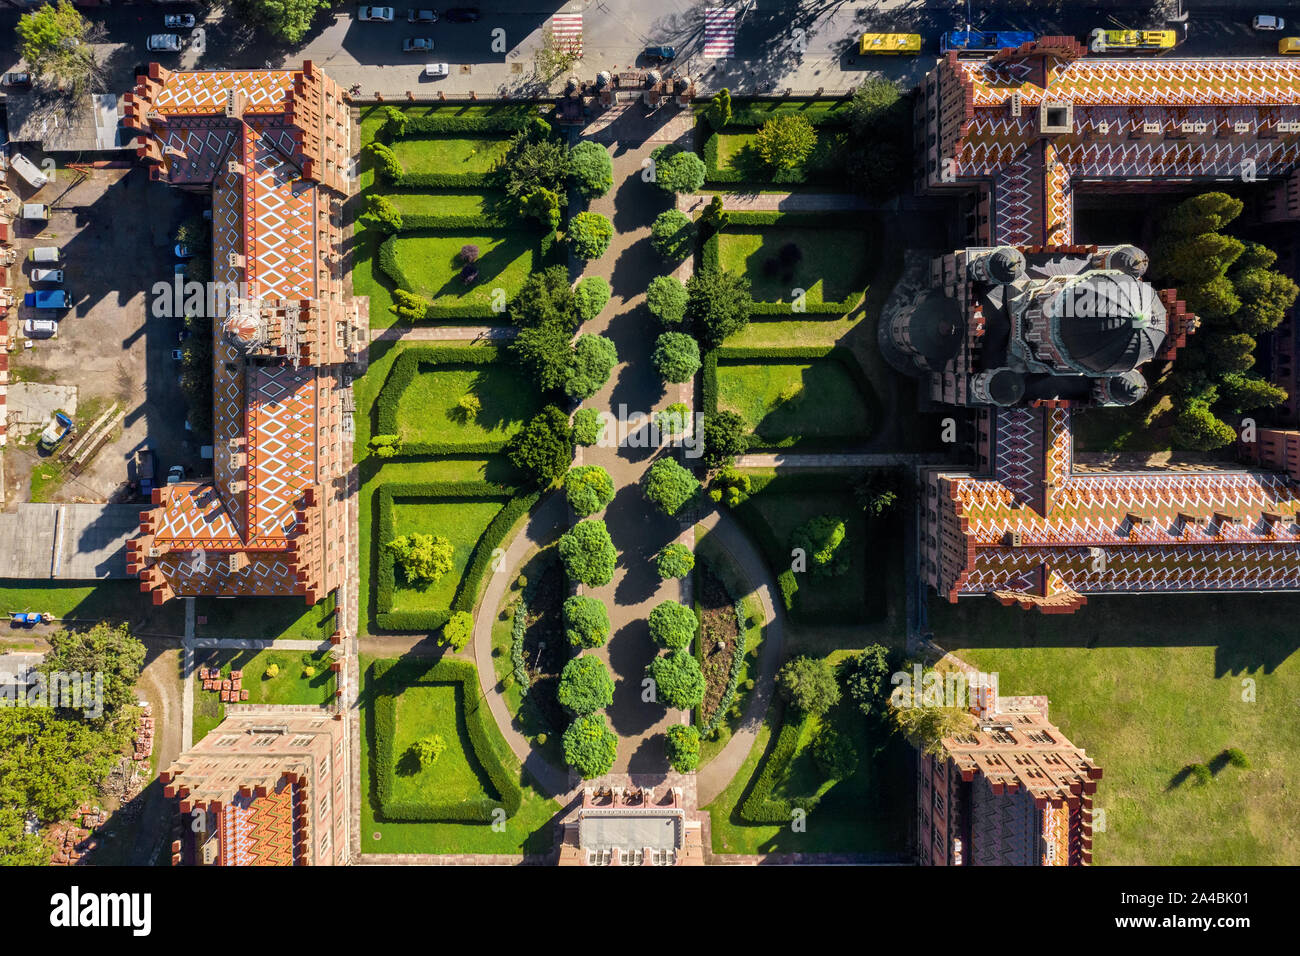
(231, 688)
(144, 736)
(72, 841)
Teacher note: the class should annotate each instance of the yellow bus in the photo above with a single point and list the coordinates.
(890, 43)
(1288, 45)
(1103, 40)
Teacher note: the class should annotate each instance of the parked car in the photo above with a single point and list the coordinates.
(16, 79)
(55, 431)
(175, 475)
(179, 21)
(40, 328)
(182, 251)
(417, 45)
(180, 269)
(47, 299)
(36, 211)
(44, 254)
(660, 54)
(1264, 21)
(435, 70)
(48, 275)
(375, 14)
(164, 43)
(27, 171)
(145, 470)
(462, 15)
(178, 355)
(421, 16)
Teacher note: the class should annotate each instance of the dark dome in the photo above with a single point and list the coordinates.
(1006, 265)
(1108, 323)
(1006, 387)
(1128, 259)
(935, 328)
(1127, 388)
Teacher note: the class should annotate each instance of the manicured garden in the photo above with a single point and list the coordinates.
(270, 677)
(786, 402)
(265, 619)
(830, 265)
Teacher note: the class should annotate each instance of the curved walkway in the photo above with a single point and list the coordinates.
(717, 773)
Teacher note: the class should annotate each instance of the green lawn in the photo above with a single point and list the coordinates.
(264, 618)
(429, 263)
(449, 203)
(799, 398)
(461, 521)
(290, 686)
(450, 154)
(424, 710)
(426, 410)
(737, 153)
(834, 266)
(528, 831)
(1149, 685)
(118, 600)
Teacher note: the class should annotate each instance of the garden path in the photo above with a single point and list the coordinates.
(443, 333)
(777, 202)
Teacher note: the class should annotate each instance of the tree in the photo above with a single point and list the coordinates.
(534, 160)
(672, 421)
(877, 492)
(588, 488)
(666, 299)
(429, 749)
(594, 358)
(590, 746)
(588, 426)
(409, 306)
(678, 680)
(395, 122)
(590, 234)
(54, 39)
(809, 685)
(543, 205)
(730, 486)
(591, 169)
(714, 216)
(1229, 352)
(1207, 212)
(672, 235)
(468, 407)
(590, 297)
(1265, 296)
(287, 20)
(545, 353)
(926, 727)
(834, 754)
(586, 622)
(1213, 299)
(546, 297)
(786, 140)
(104, 649)
(718, 112)
(674, 560)
(1196, 259)
(878, 150)
(822, 539)
(676, 357)
(725, 437)
(585, 685)
(669, 486)
(1196, 427)
(381, 209)
(1242, 392)
(683, 747)
(866, 678)
(677, 170)
(553, 57)
(672, 625)
(588, 553)
(717, 304)
(544, 447)
(423, 558)
(385, 160)
(458, 630)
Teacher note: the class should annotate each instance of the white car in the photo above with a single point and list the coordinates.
(375, 14)
(48, 275)
(417, 45)
(179, 21)
(436, 69)
(175, 475)
(1264, 21)
(164, 43)
(40, 328)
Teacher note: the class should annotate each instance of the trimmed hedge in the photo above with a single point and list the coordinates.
(388, 677)
(434, 123)
(516, 506)
(760, 806)
(387, 261)
(517, 666)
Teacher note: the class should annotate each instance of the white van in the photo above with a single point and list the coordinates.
(25, 168)
(36, 211)
(48, 275)
(44, 254)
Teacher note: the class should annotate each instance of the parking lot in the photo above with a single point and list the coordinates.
(114, 229)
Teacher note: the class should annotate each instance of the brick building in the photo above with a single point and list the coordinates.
(1015, 134)
(272, 148)
(267, 787)
(1011, 792)
(631, 827)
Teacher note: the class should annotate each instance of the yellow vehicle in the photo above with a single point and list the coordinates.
(1288, 45)
(1102, 41)
(890, 43)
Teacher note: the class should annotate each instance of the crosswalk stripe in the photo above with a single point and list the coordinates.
(719, 32)
(567, 30)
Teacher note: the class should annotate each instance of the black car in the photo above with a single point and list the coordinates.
(462, 15)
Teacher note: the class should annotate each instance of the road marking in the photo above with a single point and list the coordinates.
(719, 32)
(567, 30)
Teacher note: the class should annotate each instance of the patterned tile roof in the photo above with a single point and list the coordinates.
(202, 92)
(260, 831)
(282, 446)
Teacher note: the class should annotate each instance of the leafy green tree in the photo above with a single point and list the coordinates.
(594, 358)
(545, 353)
(553, 57)
(725, 437)
(1242, 392)
(1196, 259)
(714, 215)
(717, 304)
(591, 169)
(532, 161)
(585, 685)
(676, 357)
(823, 540)
(926, 727)
(385, 160)
(542, 205)
(877, 492)
(588, 426)
(590, 234)
(395, 122)
(544, 447)
(808, 684)
(786, 141)
(409, 306)
(1212, 300)
(672, 625)
(54, 39)
(106, 649)
(458, 630)
(683, 747)
(666, 299)
(1207, 212)
(672, 235)
(1265, 297)
(588, 488)
(1255, 256)
(673, 420)
(866, 678)
(677, 170)
(588, 553)
(718, 112)
(1196, 427)
(428, 749)
(423, 558)
(678, 680)
(287, 20)
(730, 486)
(381, 209)
(590, 297)
(1229, 352)
(669, 486)
(546, 297)
(586, 622)
(590, 746)
(17, 846)
(878, 142)
(835, 754)
(674, 560)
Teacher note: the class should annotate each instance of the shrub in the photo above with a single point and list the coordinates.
(469, 275)
(545, 353)
(823, 541)
(672, 235)
(546, 297)
(724, 438)
(588, 488)
(666, 299)
(718, 112)
(718, 304)
(594, 358)
(272, 670)
(835, 754)
(1200, 773)
(672, 421)
(714, 216)
(683, 746)
(586, 622)
(469, 253)
(676, 356)
(677, 170)
(544, 447)
(591, 295)
(386, 162)
(423, 558)
(409, 306)
(590, 169)
(458, 630)
(1236, 758)
(672, 625)
(385, 446)
(590, 746)
(730, 487)
(809, 685)
(382, 210)
(588, 426)
(590, 234)
(866, 678)
(679, 682)
(467, 407)
(669, 486)
(543, 206)
(785, 141)
(674, 560)
(585, 685)
(428, 749)
(588, 553)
